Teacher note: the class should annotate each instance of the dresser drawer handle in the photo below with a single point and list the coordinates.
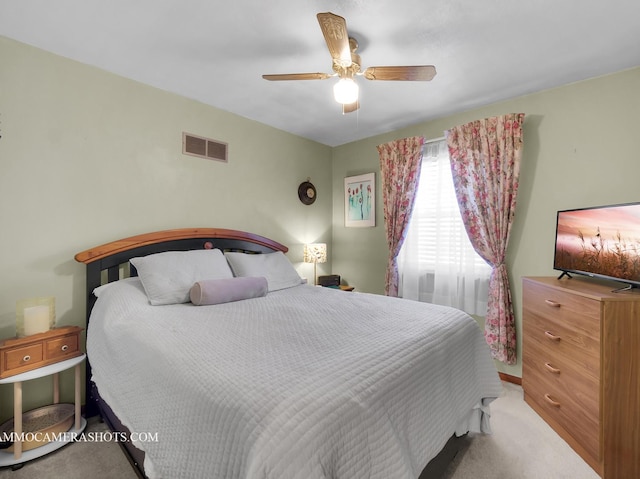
(551, 303)
(64, 347)
(551, 336)
(26, 358)
(551, 368)
(551, 401)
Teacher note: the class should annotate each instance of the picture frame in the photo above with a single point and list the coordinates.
(360, 201)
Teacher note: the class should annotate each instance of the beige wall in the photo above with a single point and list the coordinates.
(88, 157)
(580, 150)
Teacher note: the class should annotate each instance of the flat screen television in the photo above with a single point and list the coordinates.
(601, 242)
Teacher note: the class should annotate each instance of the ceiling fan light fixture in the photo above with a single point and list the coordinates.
(346, 91)
(346, 65)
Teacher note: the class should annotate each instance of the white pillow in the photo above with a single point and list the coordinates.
(100, 289)
(168, 277)
(276, 267)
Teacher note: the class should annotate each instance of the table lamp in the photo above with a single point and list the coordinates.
(315, 253)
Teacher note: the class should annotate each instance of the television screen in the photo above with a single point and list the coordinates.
(603, 241)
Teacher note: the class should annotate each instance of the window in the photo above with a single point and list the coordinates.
(437, 263)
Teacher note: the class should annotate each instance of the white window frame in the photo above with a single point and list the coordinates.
(437, 263)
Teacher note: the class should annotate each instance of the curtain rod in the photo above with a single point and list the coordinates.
(435, 140)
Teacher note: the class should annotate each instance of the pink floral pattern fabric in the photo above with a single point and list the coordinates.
(400, 163)
(485, 163)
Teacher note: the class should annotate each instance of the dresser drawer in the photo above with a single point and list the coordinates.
(570, 403)
(561, 307)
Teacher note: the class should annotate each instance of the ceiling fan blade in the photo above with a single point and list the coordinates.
(350, 107)
(412, 73)
(297, 76)
(334, 29)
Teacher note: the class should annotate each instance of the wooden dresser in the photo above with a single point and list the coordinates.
(581, 368)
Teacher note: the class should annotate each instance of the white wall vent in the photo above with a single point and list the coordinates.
(204, 147)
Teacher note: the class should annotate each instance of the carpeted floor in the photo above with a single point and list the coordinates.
(522, 446)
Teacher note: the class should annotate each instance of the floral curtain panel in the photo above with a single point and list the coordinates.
(485, 163)
(400, 163)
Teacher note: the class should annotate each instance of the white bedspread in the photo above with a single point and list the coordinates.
(305, 383)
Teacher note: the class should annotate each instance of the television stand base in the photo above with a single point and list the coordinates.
(565, 273)
(628, 287)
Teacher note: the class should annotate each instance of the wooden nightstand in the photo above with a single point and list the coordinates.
(341, 287)
(32, 357)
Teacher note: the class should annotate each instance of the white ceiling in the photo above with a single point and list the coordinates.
(215, 51)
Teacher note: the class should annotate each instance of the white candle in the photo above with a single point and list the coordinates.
(36, 320)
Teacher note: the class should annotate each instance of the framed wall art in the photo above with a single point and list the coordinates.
(360, 200)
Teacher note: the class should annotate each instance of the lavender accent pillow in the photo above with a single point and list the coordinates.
(217, 291)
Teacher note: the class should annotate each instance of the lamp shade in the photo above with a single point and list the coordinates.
(345, 91)
(315, 253)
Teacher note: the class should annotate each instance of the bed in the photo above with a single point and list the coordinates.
(277, 379)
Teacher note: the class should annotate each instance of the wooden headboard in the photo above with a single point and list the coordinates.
(110, 262)
(113, 258)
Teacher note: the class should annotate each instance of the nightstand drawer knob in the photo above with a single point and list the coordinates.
(26, 358)
(64, 347)
(553, 304)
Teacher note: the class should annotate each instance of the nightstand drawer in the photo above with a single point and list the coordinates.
(19, 358)
(62, 348)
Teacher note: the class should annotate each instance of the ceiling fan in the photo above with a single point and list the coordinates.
(346, 65)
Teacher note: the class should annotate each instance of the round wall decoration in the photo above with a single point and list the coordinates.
(307, 192)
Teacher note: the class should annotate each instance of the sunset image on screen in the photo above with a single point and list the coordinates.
(603, 241)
